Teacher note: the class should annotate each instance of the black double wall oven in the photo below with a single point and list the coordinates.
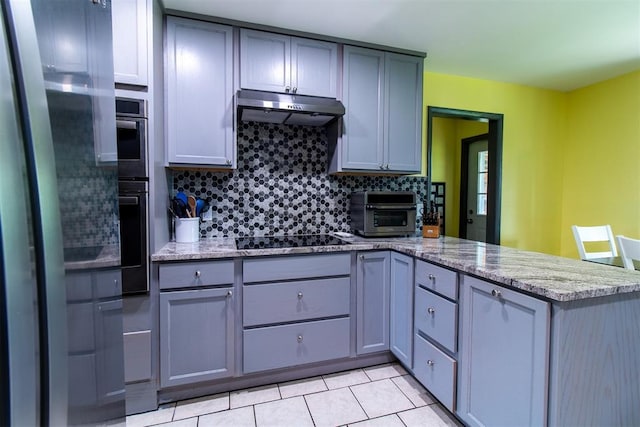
(133, 188)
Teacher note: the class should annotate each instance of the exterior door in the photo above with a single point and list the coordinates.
(474, 211)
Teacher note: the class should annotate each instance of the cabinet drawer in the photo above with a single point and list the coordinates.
(437, 318)
(437, 279)
(295, 267)
(436, 371)
(194, 274)
(293, 301)
(290, 345)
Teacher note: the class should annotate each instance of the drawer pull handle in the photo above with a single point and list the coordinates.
(198, 273)
(300, 338)
(431, 310)
(496, 293)
(300, 295)
(432, 277)
(229, 293)
(430, 362)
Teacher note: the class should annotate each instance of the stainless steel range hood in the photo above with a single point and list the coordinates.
(268, 107)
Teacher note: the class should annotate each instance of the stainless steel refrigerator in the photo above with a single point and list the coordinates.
(61, 351)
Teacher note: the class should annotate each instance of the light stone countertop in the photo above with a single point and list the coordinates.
(109, 256)
(552, 277)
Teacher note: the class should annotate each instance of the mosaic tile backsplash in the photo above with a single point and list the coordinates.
(88, 195)
(281, 186)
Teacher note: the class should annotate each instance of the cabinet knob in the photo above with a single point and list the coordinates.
(300, 295)
(387, 166)
(496, 293)
(431, 310)
(381, 166)
(228, 162)
(361, 257)
(198, 273)
(287, 89)
(229, 293)
(430, 362)
(432, 277)
(295, 90)
(300, 338)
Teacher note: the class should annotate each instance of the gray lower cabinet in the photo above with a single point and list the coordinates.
(295, 344)
(296, 310)
(504, 352)
(401, 308)
(436, 331)
(199, 93)
(196, 335)
(94, 331)
(372, 302)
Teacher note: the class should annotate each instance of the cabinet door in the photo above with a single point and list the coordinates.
(403, 112)
(196, 336)
(503, 356)
(314, 67)
(265, 61)
(109, 351)
(363, 84)
(372, 300)
(66, 29)
(130, 41)
(199, 93)
(401, 308)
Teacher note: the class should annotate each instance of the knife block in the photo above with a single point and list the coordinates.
(431, 231)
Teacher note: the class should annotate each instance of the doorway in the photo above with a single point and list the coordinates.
(474, 174)
(494, 165)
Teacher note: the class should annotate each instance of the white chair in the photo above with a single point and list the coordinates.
(598, 233)
(629, 250)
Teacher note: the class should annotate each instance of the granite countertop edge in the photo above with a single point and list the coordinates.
(551, 277)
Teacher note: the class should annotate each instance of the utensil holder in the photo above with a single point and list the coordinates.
(187, 230)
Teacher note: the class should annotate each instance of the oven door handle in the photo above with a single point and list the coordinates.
(389, 207)
(126, 124)
(129, 200)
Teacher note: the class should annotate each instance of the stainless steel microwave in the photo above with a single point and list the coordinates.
(383, 213)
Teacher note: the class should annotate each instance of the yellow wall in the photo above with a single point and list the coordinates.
(534, 131)
(567, 157)
(602, 159)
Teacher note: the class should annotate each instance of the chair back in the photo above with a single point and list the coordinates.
(629, 250)
(598, 233)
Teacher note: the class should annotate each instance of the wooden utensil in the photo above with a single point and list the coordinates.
(192, 204)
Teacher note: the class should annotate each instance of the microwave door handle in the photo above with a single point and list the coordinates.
(125, 124)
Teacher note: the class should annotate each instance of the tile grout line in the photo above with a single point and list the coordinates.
(359, 404)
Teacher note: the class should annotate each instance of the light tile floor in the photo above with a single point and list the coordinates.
(378, 396)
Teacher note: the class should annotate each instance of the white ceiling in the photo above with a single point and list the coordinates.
(554, 44)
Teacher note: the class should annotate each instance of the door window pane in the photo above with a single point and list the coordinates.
(483, 182)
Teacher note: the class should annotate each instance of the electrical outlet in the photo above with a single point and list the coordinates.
(208, 215)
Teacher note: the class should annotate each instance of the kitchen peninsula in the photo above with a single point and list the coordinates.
(524, 336)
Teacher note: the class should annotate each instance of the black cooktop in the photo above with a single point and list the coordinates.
(268, 242)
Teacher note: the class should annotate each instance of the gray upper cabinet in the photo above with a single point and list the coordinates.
(196, 336)
(129, 21)
(382, 126)
(503, 356)
(279, 63)
(199, 97)
(372, 302)
(403, 112)
(362, 94)
(401, 308)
